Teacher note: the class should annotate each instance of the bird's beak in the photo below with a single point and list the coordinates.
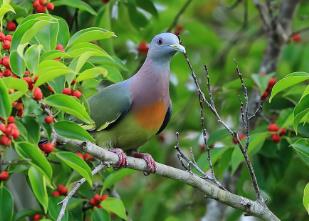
(178, 47)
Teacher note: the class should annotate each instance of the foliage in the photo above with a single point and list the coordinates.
(59, 58)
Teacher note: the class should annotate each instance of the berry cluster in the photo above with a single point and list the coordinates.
(4, 175)
(272, 81)
(97, 199)
(6, 41)
(71, 92)
(276, 132)
(9, 130)
(47, 148)
(61, 191)
(41, 6)
(85, 156)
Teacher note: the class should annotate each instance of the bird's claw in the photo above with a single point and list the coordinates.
(122, 162)
(151, 164)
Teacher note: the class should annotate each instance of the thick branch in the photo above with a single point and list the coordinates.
(248, 206)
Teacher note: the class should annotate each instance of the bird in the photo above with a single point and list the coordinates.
(128, 113)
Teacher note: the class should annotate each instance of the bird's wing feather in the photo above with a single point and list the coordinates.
(110, 105)
(166, 118)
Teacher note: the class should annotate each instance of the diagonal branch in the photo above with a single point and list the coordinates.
(180, 12)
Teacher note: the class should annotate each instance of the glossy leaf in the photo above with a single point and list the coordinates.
(38, 185)
(91, 73)
(302, 150)
(90, 34)
(31, 152)
(33, 129)
(81, 5)
(289, 81)
(115, 205)
(115, 177)
(301, 111)
(5, 103)
(32, 58)
(69, 105)
(5, 8)
(306, 198)
(100, 215)
(6, 204)
(76, 163)
(69, 129)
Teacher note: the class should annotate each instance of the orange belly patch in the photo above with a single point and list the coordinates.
(151, 116)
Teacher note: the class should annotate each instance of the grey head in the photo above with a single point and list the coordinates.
(163, 46)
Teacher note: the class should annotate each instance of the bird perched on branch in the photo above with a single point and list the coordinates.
(127, 114)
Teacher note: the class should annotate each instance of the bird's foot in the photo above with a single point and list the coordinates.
(122, 162)
(151, 164)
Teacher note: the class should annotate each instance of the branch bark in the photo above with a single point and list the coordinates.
(250, 207)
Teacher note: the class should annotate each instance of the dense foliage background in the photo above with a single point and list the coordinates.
(54, 56)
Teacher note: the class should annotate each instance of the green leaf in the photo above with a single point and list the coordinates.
(47, 36)
(302, 150)
(115, 177)
(91, 73)
(115, 205)
(33, 153)
(148, 6)
(17, 62)
(51, 55)
(5, 8)
(69, 129)
(49, 70)
(20, 87)
(6, 204)
(69, 105)
(32, 58)
(306, 197)
(301, 110)
(38, 185)
(100, 215)
(5, 103)
(85, 47)
(83, 6)
(289, 81)
(76, 163)
(33, 129)
(54, 209)
(136, 17)
(90, 34)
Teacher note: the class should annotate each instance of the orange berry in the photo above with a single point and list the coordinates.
(49, 119)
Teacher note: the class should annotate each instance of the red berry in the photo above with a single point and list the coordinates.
(11, 26)
(50, 6)
(36, 3)
(7, 73)
(275, 138)
(20, 113)
(88, 157)
(15, 133)
(2, 36)
(37, 94)
(296, 37)
(6, 45)
(60, 47)
(43, 2)
(5, 140)
(11, 119)
(9, 129)
(36, 217)
(282, 132)
(62, 189)
(241, 137)
(49, 119)
(29, 82)
(2, 128)
(104, 197)
(40, 9)
(178, 29)
(56, 193)
(264, 96)
(8, 38)
(6, 61)
(27, 73)
(4, 175)
(77, 94)
(19, 106)
(80, 155)
(272, 81)
(67, 91)
(97, 198)
(143, 48)
(47, 147)
(92, 202)
(273, 128)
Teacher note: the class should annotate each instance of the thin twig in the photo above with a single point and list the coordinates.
(76, 186)
(180, 12)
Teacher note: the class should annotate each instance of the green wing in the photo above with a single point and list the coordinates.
(110, 105)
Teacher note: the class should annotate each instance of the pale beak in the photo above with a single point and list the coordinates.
(178, 47)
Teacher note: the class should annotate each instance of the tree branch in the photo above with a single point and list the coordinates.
(250, 207)
(180, 12)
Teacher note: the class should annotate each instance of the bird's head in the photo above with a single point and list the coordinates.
(163, 46)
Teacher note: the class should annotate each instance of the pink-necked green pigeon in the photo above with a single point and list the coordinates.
(127, 114)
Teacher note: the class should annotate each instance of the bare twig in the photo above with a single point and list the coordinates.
(263, 12)
(180, 12)
(232, 132)
(75, 188)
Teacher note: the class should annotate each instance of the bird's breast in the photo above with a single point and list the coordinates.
(151, 116)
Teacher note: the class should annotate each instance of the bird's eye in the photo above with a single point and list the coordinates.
(160, 41)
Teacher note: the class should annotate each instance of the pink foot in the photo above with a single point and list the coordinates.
(151, 164)
(122, 162)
